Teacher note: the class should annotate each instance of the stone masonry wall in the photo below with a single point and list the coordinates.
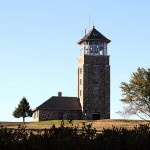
(95, 96)
(56, 115)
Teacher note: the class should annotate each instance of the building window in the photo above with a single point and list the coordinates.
(96, 73)
(96, 68)
(80, 81)
(96, 79)
(80, 92)
(96, 86)
(96, 91)
(95, 43)
(80, 70)
(102, 44)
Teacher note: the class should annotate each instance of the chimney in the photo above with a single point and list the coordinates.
(59, 94)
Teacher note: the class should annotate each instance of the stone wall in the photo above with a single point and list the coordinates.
(95, 98)
(59, 115)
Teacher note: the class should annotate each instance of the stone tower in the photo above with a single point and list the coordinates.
(94, 76)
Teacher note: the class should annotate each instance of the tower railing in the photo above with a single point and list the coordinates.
(93, 50)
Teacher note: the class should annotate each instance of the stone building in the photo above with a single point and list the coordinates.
(93, 101)
(58, 108)
(94, 76)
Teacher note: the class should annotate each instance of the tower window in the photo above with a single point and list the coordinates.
(96, 86)
(96, 73)
(96, 92)
(80, 81)
(96, 67)
(80, 70)
(102, 44)
(80, 92)
(96, 78)
(91, 42)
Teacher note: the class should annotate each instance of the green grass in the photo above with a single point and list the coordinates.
(56, 122)
(47, 124)
(98, 124)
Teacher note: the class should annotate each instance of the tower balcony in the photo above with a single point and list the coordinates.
(93, 50)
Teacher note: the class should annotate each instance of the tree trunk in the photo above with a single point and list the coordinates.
(23, 120)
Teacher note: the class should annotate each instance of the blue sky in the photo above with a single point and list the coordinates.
(38, 49)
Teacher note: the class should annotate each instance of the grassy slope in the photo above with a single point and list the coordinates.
(98, 124)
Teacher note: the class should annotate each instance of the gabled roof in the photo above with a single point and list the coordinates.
(61, 103)
(94, 35)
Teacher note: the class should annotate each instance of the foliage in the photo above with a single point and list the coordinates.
(137, 94)
(66, 138)
(23, 110)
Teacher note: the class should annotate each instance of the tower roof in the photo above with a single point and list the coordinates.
(94, 35)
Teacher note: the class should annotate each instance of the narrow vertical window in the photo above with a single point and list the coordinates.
(80, 70)
(96, 73)
(96, 79)
(96, 68)
(96, 92)
(80, 92)
(80, 81)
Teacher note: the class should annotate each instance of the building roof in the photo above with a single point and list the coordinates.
(94, 35)
(61, 103)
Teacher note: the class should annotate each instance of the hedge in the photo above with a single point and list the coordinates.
(69, 138)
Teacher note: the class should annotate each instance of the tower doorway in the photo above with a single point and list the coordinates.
(96, 116)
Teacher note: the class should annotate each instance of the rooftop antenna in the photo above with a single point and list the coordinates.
(82, 28)
(89, 22)
(93, 24)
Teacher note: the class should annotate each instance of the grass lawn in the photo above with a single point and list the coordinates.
(56, 122)
(44, 124)
(98, 124)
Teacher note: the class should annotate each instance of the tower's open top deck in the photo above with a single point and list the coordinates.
(93, 43)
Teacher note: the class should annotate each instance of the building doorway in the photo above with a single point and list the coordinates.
(60, 115)
(96, 116)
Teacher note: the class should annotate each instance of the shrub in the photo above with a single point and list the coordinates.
(73, 138)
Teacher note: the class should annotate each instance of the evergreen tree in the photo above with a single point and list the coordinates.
(23, 110)
(137, 94)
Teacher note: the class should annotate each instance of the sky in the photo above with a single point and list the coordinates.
(39, 50)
